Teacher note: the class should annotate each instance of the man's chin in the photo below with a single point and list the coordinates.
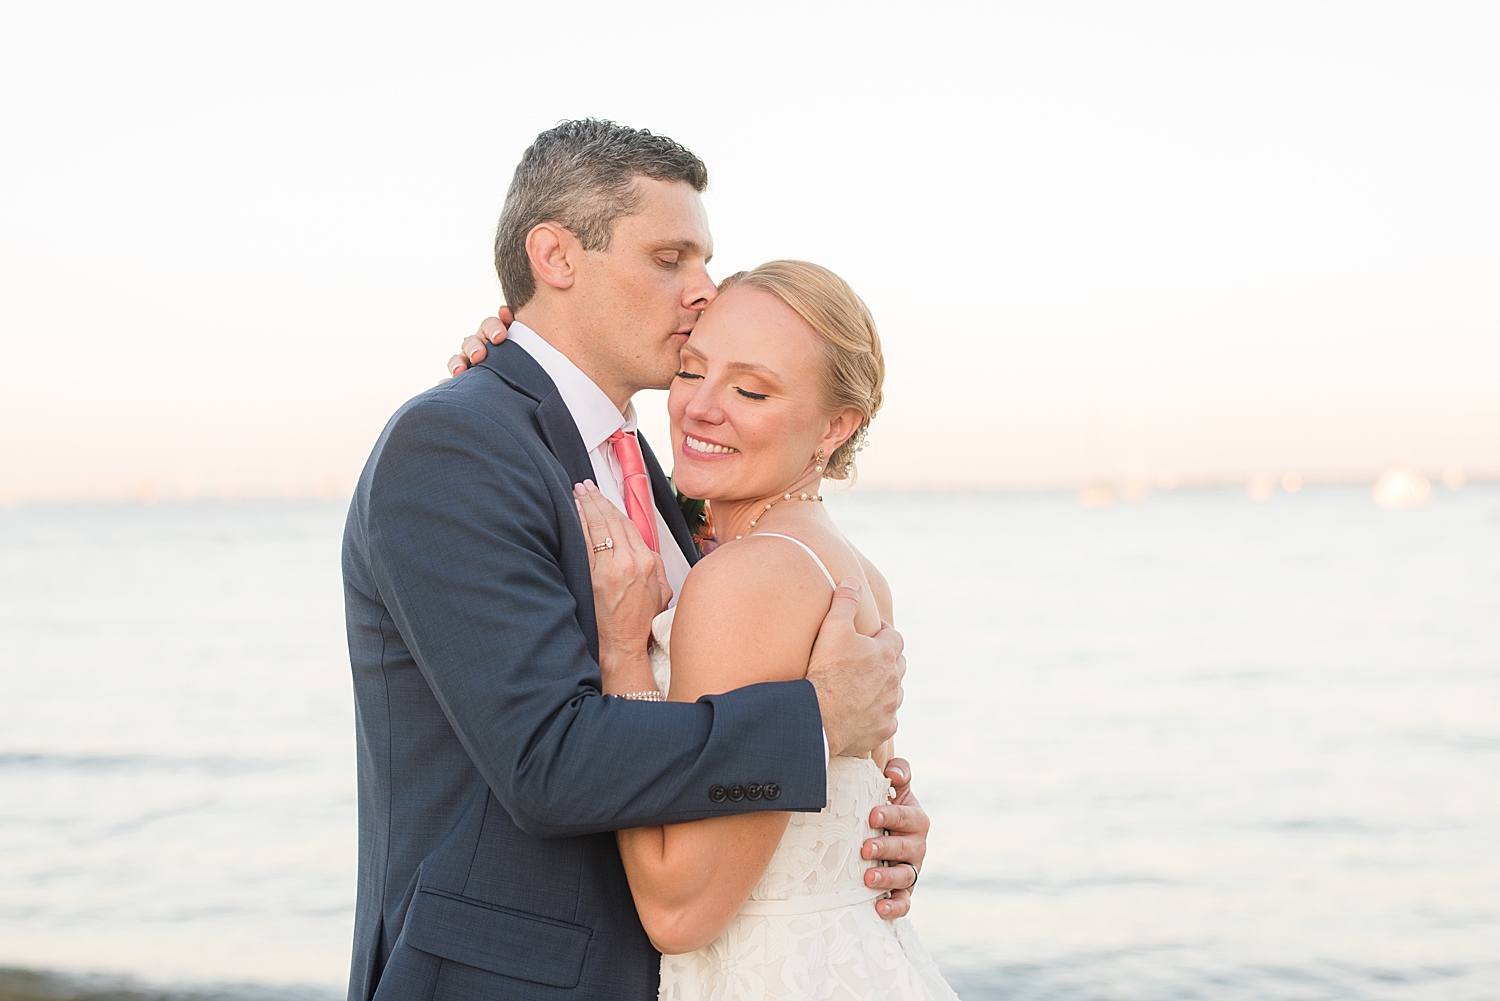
(663, 379)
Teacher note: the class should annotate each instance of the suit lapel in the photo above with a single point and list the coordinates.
(666, 503)
(560, 432)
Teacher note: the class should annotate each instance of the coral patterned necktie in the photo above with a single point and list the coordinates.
(637, 485)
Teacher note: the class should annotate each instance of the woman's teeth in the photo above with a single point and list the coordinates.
(704, 446)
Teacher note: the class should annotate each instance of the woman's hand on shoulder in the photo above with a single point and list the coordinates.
(492, 330)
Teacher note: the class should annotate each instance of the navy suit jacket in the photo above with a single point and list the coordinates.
(492, 772)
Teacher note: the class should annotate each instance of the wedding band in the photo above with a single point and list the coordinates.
(915, 872)
(606, 544)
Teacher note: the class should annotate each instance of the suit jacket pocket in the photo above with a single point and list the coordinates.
(497, 939)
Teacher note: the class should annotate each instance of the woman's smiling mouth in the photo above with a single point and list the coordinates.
(706, 447)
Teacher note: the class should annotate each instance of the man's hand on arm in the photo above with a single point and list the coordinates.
(857, 678)
(475, 346)
(858, 681)
(904, 848)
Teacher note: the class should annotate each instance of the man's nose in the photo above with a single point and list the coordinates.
(699, 292)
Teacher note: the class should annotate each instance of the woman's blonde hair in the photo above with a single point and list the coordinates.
(854, 368)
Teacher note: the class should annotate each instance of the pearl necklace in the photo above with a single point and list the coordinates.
(758, 517)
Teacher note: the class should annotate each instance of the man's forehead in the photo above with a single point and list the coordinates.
(671, 215)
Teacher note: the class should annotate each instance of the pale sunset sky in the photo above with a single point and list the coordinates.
(1172, 241)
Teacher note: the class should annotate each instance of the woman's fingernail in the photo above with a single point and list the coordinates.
(474, 355)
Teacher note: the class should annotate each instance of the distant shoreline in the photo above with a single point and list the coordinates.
(1127, 487)
(42, 985)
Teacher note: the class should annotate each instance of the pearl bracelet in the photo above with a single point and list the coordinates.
(652, 696)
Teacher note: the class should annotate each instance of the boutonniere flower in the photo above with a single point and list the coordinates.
(700, 521)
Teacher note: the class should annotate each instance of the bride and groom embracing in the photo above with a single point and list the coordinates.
(592, 762)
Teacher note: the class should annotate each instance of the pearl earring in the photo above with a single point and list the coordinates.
(819, 458)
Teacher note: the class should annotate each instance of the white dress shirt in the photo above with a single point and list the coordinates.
(597, 418)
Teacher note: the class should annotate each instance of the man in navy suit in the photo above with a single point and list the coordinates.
(492, 772)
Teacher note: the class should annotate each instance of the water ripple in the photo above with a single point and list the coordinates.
(218, 765)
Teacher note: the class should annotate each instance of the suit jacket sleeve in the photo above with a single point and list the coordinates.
(465, 543)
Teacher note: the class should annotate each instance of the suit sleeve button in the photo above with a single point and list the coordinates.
(717, 794)
(771, 790)
(736, 792)
(753, 790)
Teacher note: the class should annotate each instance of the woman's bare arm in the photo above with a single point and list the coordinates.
(689, 880)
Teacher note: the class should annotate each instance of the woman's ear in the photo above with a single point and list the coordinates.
(841, 427)
(550, 248)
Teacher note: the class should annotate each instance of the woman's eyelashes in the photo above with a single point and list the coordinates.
(743, 392)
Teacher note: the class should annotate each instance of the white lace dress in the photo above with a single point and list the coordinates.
(809, 929)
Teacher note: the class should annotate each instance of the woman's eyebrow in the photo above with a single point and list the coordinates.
(736, 366)
(745, 366)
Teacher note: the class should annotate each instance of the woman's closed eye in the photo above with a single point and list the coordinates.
(688, 375)
(749, 395)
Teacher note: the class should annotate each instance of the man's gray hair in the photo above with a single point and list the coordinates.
(581, 175)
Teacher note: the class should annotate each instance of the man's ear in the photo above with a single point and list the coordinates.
(841, 427)
(553, 251)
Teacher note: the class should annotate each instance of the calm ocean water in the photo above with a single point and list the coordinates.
(1192, 748)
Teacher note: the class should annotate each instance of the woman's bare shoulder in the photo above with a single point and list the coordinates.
(880, 588)
(749, 612)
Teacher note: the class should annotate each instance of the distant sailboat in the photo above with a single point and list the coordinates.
(1401, 488)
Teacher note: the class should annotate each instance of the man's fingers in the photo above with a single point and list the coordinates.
(897, 906)
(900, 819)
(895, 848)
(888, 636)
(898, 770)
(845, 602)
(890, 877)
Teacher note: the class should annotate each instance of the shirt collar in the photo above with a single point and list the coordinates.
(593, 411)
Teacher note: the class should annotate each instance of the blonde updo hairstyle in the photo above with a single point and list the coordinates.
(853, 366)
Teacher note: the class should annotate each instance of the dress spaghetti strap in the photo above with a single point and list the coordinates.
(808, 550)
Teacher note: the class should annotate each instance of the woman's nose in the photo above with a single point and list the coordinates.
(703, 406)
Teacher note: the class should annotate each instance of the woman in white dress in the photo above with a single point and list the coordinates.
(778, 384)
